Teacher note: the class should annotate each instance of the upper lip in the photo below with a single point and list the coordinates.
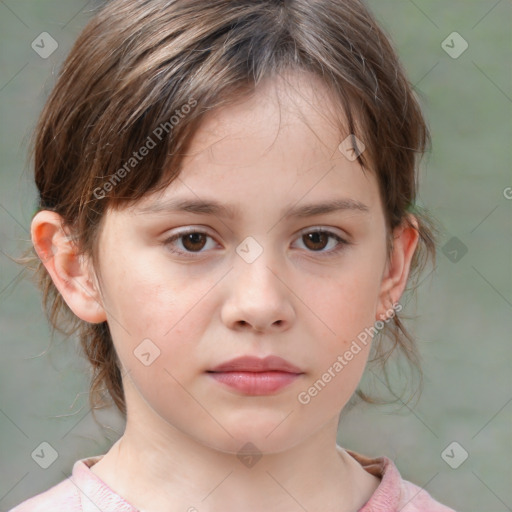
(256, 364)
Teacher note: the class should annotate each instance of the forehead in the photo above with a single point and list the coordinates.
(294, 102)
(280, 145)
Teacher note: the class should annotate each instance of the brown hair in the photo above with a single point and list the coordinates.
(138, 64)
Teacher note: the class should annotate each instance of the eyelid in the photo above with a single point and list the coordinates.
(326, 229)
(185, 231)
(343, 241)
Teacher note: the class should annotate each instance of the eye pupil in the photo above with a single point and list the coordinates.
(193, 237)
(314, 238)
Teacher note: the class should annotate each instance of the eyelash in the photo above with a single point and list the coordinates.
(342, 243)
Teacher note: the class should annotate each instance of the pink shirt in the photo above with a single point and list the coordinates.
(83, 491)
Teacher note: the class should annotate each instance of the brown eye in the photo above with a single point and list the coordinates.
(316, 240)
(194, 241)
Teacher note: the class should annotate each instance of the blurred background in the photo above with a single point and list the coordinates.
(456, 441)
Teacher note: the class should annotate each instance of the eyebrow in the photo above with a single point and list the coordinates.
(212, 207)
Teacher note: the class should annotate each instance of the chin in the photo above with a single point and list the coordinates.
(257, 432)
(251, 444)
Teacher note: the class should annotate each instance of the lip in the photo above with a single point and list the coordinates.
(255, 376)
(256, 364)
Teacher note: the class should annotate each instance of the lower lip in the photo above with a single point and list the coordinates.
(255, 383)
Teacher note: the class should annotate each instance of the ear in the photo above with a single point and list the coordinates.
(71, 272)
(396, 273)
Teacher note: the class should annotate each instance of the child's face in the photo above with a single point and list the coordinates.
(300, 299)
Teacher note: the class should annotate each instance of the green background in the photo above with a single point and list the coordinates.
(462, 314)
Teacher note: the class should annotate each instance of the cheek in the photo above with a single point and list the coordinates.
(149, 302)
(347, 300)
(346, 307)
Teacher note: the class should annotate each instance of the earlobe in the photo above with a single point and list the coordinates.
(70, 271)
(396, 274)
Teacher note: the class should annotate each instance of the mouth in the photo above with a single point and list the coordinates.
(255, 383)
(255, 376)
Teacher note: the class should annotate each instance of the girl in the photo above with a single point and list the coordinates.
(226, 220)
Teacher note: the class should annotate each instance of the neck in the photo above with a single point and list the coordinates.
(152, 471)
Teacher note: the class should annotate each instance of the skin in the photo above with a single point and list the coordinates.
(202, 308)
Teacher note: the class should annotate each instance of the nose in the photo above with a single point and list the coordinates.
(259, 299)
